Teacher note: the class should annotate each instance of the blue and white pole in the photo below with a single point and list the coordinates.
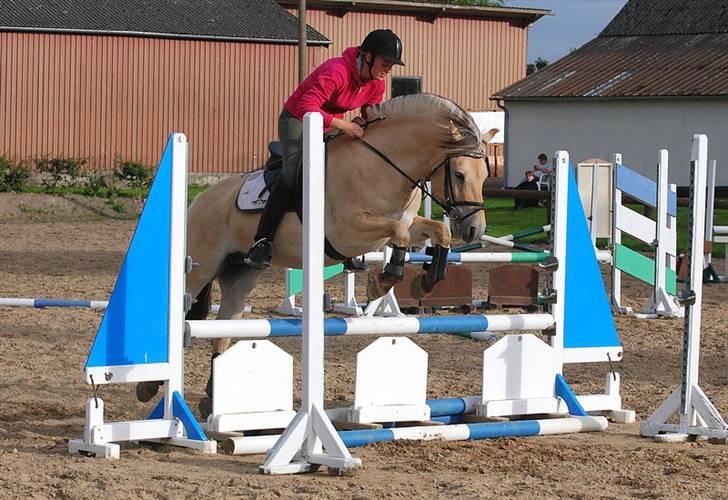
(406, 325)
(41, 303)
(458, 432)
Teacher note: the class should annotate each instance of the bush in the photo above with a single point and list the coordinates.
(134, 174)
(12, 177)
(59, 170)
(96, 184)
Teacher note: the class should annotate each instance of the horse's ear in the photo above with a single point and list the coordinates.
(455, 133)
(488, 136)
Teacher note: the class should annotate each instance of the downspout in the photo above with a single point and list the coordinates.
(506, 143)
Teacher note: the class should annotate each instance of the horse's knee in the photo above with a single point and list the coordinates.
(441, 235)
(400, 235)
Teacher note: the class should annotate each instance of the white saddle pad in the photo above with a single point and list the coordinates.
(253, 194)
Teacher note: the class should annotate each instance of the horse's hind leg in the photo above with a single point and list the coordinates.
(236, 283)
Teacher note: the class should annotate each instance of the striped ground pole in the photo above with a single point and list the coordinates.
(42, 303)
(458, 432)
(261, 328)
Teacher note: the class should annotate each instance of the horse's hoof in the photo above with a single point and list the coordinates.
(205, 407)
(378, 287)
(419, 289)
(145, 391)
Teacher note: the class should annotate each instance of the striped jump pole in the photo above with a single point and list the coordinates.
(459, 432)
(405, 325)
(481, 257)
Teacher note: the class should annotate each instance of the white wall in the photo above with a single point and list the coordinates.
(487, 120)
(637, 129)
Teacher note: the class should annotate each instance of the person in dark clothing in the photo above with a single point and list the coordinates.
(528, 184)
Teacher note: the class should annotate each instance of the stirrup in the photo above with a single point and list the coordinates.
(260, 254)
(356, 265)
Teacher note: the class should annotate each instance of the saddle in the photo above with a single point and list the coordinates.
(256, 189)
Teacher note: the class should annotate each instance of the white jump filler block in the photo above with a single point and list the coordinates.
(391, 382)
(518, 378)
(252, 388)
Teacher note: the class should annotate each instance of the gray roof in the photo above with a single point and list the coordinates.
(242, 20)
(651, 49)
(669, 17)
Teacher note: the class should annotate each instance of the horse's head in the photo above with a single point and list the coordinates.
(425, 136)
(460, 184)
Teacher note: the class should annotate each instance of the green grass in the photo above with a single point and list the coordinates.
(80, 190)
(503, 220)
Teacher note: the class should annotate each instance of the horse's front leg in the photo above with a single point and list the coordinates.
(439, 233)
(374, 227)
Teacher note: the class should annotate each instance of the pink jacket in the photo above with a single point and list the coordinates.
(335, 88)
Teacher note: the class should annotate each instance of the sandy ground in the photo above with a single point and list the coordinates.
(52, 247)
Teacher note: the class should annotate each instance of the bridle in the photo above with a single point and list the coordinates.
(449, 204)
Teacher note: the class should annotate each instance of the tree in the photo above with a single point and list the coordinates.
(539, 64)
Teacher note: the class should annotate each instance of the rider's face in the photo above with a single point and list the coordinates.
(380, 67)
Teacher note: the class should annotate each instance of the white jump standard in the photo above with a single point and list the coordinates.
(696, 413)
(661, 234)
(133, 343)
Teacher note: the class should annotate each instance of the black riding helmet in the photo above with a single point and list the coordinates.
(384, 43)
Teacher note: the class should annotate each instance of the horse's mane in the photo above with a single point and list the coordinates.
(467, 141)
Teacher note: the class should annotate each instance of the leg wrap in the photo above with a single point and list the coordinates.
(395, 266)
(436, 268)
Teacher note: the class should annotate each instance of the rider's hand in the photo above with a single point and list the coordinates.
(353, 130)
(349, 128)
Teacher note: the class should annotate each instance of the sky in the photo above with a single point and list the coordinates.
(574, 23)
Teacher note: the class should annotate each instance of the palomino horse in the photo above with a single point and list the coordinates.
(372, 198)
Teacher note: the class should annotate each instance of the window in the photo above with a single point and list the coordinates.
(403, 85)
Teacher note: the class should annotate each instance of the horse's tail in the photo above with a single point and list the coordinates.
(201, 306)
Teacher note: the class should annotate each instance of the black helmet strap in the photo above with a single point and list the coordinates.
(370, 64)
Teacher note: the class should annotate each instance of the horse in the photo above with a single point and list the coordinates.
(373, 193)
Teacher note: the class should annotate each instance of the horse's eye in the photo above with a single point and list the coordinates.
(460, 176)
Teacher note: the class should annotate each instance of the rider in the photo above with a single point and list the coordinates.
(353, 80)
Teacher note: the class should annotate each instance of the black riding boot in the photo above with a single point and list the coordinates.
(280, 200)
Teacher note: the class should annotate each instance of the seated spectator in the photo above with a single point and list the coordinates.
(528, 184)
(541, 167)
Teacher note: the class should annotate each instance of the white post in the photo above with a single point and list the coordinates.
(177, 279)
(594, 224)
(300, 447)
(350, 305)
(662, 304)
(710, 205)
(616, 239)
(560, 203)
(288, 306)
